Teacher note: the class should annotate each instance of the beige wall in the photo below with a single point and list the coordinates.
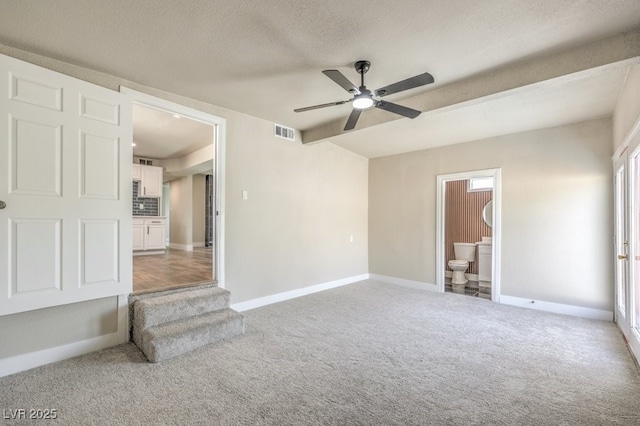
(291, 233)
(198, 210)
(187, 211)
(181, 204)
(46, 328)
(303, 204)
(556, 211)
(627, 110)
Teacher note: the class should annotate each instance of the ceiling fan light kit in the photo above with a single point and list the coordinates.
(362, 102)
(364, 98)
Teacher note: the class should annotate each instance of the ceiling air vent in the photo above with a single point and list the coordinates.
(284, 132)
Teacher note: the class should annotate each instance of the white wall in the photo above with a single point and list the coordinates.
(556, 211)
(627, 108)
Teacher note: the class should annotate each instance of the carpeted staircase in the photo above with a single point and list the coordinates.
(172, 324)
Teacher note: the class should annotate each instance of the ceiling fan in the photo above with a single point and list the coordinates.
(364, 98)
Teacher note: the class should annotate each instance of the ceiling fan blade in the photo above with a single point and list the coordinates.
(410, 83)
(398, 109)
(341, 80)
(353, 119)
(309, 108)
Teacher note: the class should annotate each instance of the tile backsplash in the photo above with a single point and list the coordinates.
(151, 207)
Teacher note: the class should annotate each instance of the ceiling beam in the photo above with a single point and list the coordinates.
(624, 49)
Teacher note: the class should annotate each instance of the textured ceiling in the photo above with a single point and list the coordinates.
(265, 58)
(158, 134)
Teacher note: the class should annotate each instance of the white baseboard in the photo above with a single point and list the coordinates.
(558, 308)
(287, 295)
(541, 305)
(27, 361)
(198, 244)
(31, 360)
(405, 283)
(147, 252)
(185, 247)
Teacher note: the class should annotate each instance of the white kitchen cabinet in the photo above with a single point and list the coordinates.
(150, 181)
(148, 234)
(154, 237)
(484, 264)
(136, 172)
(138, 234)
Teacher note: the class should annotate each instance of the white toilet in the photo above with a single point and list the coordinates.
(465, 253)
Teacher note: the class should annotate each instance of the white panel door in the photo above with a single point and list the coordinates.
(621, 242)
(65, 176)
(632, 323)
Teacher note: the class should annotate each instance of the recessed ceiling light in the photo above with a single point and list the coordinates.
(176, 116)
(133, 144)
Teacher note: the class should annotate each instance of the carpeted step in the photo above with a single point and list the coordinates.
(176, 306)
(168, 340)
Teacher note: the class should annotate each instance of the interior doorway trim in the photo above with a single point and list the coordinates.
(495, 230)
(220, 134)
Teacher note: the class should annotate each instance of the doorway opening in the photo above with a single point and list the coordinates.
(468, 233)
(178, 227)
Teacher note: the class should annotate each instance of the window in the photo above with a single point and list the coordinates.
(480, 184)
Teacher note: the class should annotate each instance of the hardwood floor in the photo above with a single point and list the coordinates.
(175, 268)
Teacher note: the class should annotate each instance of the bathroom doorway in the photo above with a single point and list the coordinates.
(468, 211)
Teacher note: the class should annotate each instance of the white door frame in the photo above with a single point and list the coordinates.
(624, 155)
(621, 240)
(220, 134)
(633, 251)
(496, 229)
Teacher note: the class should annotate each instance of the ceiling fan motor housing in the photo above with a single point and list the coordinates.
(362, 66)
